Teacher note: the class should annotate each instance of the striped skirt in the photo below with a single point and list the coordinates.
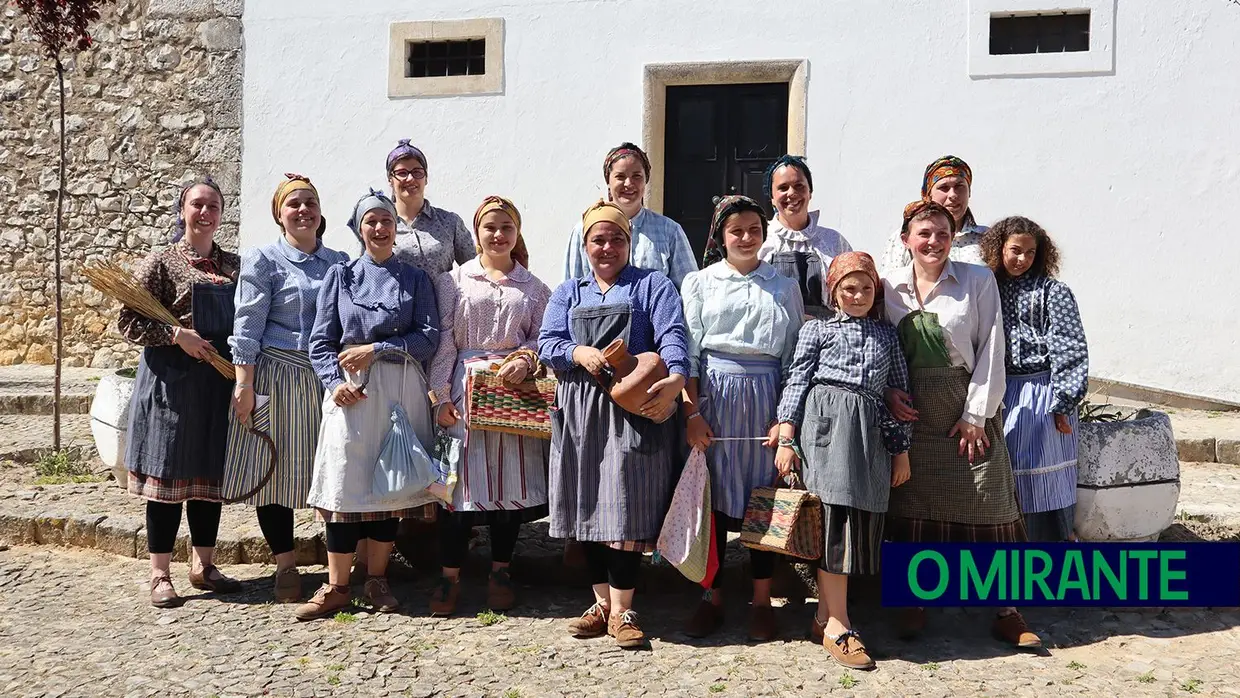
(1043, 460)
(291, 418)
(498, 472)
(738, 397)
(852, 540)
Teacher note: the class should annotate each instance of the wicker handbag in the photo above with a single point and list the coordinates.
(524, 409)
(784, 520)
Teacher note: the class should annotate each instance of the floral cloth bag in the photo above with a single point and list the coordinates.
(686, 539)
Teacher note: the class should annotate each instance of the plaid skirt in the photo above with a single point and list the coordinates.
(902, 530)
(852, 540)
(174, 491)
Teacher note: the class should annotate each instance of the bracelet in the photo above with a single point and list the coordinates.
(246, 385)
(691, 416)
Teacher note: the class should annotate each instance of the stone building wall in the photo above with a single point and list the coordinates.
(156, 102)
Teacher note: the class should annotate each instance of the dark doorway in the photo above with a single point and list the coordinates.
(720, 140)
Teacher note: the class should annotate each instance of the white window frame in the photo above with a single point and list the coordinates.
(401, 34)
(1098, 60)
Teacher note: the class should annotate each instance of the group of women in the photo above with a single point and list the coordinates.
(785, 351)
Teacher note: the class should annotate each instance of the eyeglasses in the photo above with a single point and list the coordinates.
(406, 175)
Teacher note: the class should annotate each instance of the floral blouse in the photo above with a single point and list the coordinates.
(434, 240)
(170, 274)
(476, 312)
(1042, 325)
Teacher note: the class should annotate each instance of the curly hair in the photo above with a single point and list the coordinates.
(1046, 260)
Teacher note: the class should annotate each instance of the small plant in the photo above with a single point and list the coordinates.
(342, 617)
(62, 467)
(489, 617)
(333, 680)
(930, 666)
(335, 667)
(1147, 677)
(1192, 686)
(847, 680)
(304, 661)
(1075, 665)
(512, 693)
(717, 688)
(1101, 412)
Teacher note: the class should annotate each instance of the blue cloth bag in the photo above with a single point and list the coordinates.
(403, 469)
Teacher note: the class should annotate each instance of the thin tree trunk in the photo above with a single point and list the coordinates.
(60, 207)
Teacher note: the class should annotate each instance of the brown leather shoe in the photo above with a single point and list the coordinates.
(163, 595)
(592, 623)
(706, 619)
(626, 631)
(762, 625)
(912, 623)
(288, 585)
(379, 594)
(848, 651)
(443, 601)
(325, 602)
(501, 595)
(212, 579)
(1013, 630)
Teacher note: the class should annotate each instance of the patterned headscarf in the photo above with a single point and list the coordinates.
(948, 166)
(921, 206)
(847, 263)
(178, 206)
(498, 203)
(786, 161)
(724, 208)
(294, 182)
(369, 202)
(605, 211)
(621, 151)
(404, 150)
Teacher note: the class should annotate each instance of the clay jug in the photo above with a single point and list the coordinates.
(631, 376)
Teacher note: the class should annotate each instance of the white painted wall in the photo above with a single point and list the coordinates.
(1137, 173)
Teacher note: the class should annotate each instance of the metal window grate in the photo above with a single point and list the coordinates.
(429, 59)
(1042, 33)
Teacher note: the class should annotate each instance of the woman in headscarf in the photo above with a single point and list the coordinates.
(178, 415)
(658, 242)
(612, 472)
(798, 245)
(742, 319)
(961, 489)
(375, 303)
(277, 293)
(428, 238)
(490, 310)
(948, 182)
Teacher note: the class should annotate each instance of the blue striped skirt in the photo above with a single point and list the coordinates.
(1043, 460)
(291, 418)
(738, 396)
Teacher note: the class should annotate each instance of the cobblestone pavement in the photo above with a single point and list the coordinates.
(74, 623)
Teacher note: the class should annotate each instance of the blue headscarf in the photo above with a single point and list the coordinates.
(786, 161)
(369, 202)
(178, 206)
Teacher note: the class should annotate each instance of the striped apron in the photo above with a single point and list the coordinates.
(612, 472)
(291, 418)
(1043, 460)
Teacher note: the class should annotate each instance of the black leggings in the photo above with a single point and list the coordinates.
(761, 562)
(617, 568)
(277, 524)
(343, 537)
(454, 540)
(163, 520)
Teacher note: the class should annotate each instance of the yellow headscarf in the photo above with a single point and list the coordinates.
(291, 183)
(605, 211)
(498, 203)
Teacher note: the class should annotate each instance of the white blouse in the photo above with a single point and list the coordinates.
(827, 242)
(757, 313)
(966, 300)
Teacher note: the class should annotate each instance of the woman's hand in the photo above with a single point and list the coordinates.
(243, 404)
(514, 372)
(1061, 423)
(900, 405)
(698, 433)
(973, 440)
(772, 436)
(193, 344)
(589, 358)
(786, 460)
(662, 401)
(345, 395)
(446, 416)
(357, 358)
(900, 472)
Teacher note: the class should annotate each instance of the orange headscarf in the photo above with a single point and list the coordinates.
(498, 203)
(605, 211)
(293, 182)
(847, 263)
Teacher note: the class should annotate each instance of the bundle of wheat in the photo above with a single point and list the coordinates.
(113, 281)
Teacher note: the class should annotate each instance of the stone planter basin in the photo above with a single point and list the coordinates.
(109, 420)
(1128, 481)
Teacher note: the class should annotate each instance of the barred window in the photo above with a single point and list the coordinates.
(1059, 32)
(428, 59)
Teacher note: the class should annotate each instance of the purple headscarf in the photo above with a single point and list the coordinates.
(404, 150)
(178, 228)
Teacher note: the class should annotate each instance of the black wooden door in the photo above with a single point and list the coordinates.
(720, 140)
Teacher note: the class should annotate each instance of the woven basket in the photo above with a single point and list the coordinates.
(523, 409)
(784, 520)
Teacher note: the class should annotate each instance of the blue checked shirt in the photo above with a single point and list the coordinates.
(657, 323)
(858, 354)
(277, 291)
(390, 304)
(659, 244)
(1042, 325)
